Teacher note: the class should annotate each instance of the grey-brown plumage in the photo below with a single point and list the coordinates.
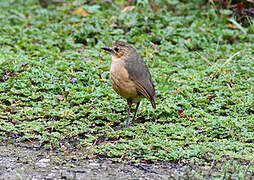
(130, 76)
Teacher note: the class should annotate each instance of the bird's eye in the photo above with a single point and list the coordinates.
(116, 49)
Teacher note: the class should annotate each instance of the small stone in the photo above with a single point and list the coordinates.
(50, 176)
(94, 164)
(43, 163)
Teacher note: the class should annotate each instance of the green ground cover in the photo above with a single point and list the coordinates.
(55, 88)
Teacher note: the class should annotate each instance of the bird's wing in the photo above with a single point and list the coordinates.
(140, 75)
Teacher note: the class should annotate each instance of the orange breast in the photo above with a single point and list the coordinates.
(121, 82)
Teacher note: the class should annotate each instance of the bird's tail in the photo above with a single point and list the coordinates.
(153, 103)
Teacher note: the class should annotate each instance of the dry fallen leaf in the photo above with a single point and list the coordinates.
(175, 92)
(231, 26)
(81, 12)
(155, 47)
(18, 102)
(87, 58)
(60, 97)
(181, 115)
(73, 79)
(8, 74)
(109, 124)
(128, 8)
(196, 90)
(211, 96)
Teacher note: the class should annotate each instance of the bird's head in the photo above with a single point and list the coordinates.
(120, 49)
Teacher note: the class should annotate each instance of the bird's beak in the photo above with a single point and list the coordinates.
(107, 49)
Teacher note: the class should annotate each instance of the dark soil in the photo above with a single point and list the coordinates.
(24, 161)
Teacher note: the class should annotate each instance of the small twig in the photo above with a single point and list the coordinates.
(99, 139)
(227, 61)
(124, 154)
(204, 58)
(96, 141)
(210, 170)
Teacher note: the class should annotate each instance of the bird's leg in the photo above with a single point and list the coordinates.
(129, 102)
(135, 113)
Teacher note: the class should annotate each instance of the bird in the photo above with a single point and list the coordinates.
(130, 77)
